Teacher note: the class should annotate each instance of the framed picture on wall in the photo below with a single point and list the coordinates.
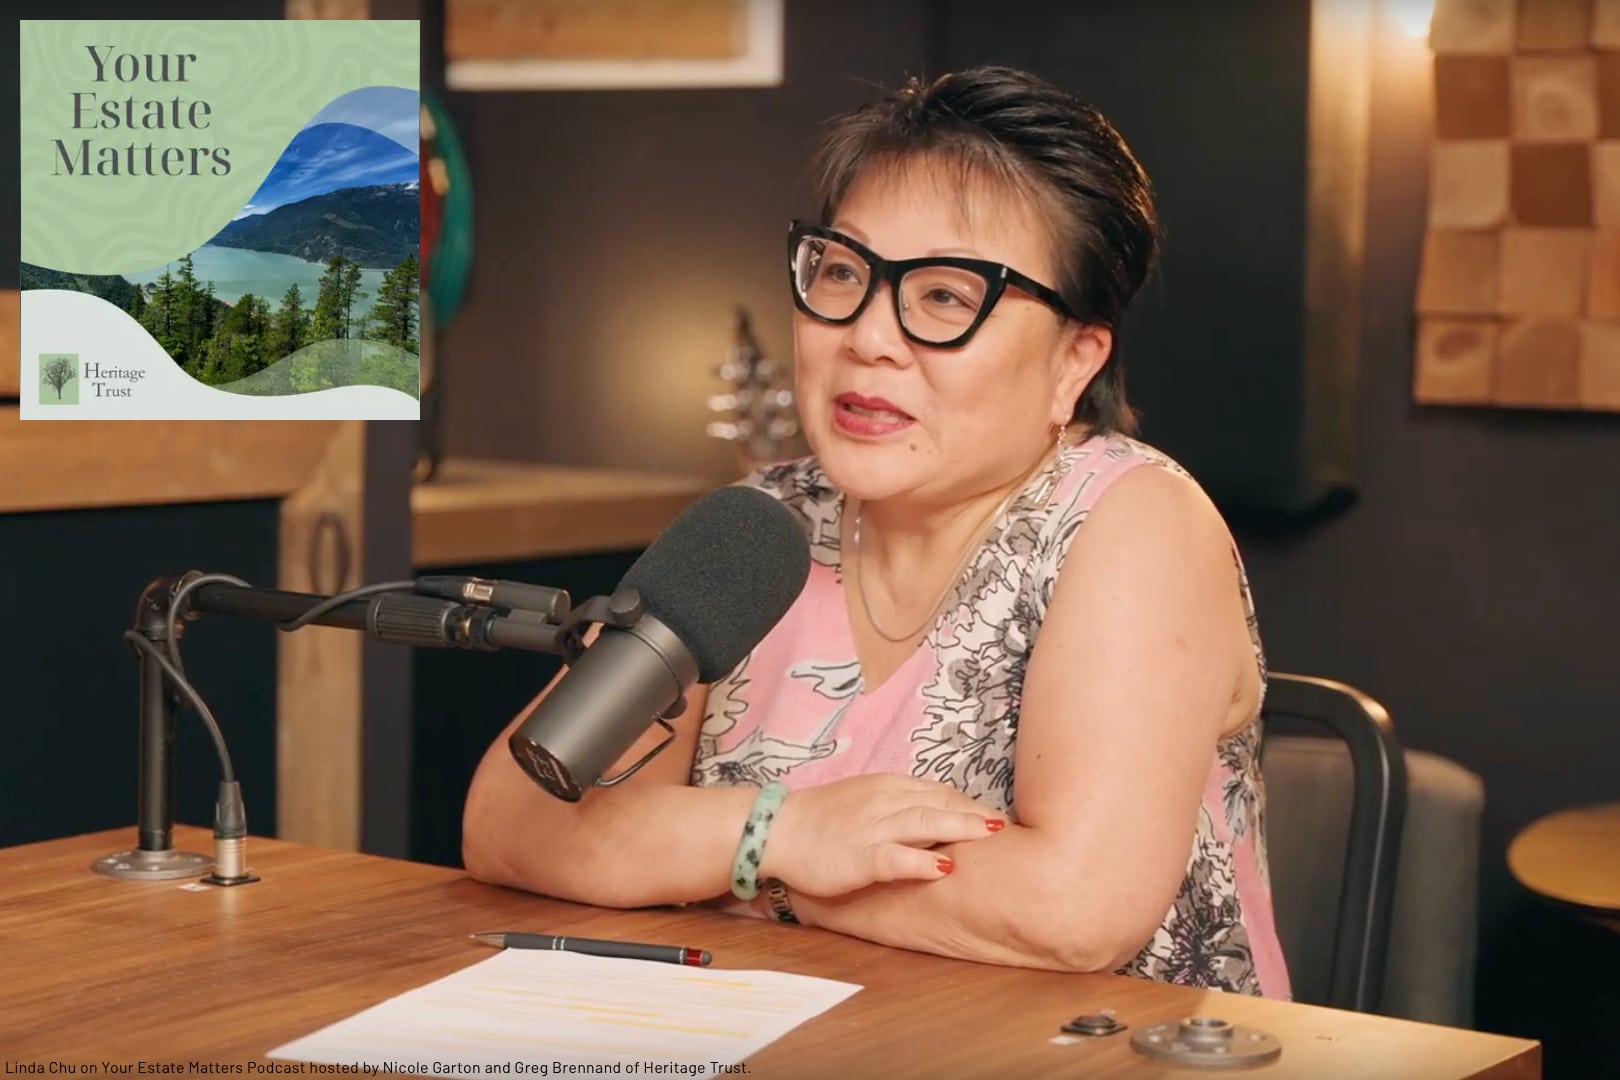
(612, 44)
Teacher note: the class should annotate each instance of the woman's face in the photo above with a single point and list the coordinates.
(889, 417)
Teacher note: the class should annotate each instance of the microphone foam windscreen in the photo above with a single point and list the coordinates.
(723, 574)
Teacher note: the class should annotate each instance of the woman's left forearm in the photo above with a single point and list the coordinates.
(1011, 899)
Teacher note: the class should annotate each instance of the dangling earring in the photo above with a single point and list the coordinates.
(1063, 430)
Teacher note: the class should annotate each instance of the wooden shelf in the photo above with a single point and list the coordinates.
(79, 464)
(480, 511)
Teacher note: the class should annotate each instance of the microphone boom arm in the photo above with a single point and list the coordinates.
(392, 613)
(398, 618)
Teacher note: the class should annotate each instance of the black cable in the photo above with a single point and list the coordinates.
(177, 605)
(184, 686)
(230, 823)
(343, 598)
(175, 667)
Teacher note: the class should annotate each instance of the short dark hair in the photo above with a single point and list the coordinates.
(1009, 125)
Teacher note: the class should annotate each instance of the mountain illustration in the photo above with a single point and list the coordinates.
(328, 156)
(377, 226)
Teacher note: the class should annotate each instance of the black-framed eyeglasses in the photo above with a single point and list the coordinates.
(940, 302)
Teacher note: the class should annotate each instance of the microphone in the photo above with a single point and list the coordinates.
(713, 584)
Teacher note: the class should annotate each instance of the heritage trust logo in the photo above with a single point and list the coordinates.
(58, 378)
(63, 379)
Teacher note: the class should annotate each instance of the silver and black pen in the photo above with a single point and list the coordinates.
(624, 950)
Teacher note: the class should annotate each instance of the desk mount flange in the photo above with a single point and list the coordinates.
(1207, 1042)
(140, 865)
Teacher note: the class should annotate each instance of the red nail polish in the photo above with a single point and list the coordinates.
(945, 863)
(995, 824)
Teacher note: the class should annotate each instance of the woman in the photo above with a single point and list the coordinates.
(1014, 715)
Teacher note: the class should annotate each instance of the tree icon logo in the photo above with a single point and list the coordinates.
(58, 378)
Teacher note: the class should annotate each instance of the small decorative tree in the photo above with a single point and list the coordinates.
(758, 410)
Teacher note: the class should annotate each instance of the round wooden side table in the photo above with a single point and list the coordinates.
(1573, 857)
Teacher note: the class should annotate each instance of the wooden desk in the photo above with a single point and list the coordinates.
(97, 969)
(476, 511)
(1573, 857)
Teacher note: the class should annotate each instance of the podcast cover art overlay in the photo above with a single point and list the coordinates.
(220, 220)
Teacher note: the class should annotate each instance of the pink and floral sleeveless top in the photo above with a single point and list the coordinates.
(795, 709)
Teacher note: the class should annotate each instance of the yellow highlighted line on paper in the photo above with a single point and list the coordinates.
(565, 998)
(562, 1001)
(745, 983)
(608, 1016)
(482, 1039)
(632, 1017)
(683, 1029)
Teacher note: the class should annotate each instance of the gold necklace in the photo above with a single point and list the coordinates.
(956, 576)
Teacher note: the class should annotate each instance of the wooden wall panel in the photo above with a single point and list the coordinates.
(318, 675)
(1517, 300)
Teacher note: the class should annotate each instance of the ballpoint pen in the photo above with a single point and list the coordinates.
(625, 950)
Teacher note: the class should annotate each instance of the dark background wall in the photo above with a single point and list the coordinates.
(617, 230)
(1472, 586)
(68, 586)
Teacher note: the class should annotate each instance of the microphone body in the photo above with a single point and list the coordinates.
(609, 697)
(713, 583)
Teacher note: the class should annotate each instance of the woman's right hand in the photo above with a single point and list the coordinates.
(835, 838)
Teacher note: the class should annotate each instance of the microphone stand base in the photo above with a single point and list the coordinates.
(152, 865)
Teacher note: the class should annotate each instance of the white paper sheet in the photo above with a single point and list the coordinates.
(529, 1011)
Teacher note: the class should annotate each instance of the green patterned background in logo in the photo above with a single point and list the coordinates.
(59, 378)
(263, 81)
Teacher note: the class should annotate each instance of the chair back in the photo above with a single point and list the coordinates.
(1434, 930)
(1336, 793)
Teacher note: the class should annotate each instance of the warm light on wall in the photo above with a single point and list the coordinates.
(1412, 17)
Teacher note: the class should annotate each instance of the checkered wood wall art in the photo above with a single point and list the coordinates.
(1518, 298)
